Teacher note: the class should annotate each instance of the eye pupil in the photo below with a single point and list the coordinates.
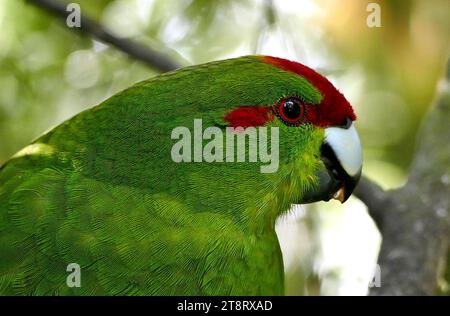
(291, 109)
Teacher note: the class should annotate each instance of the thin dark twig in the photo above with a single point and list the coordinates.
(145, 54)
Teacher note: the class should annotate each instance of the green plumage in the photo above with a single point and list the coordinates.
(101, 190)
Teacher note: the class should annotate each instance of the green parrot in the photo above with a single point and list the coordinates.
(144, 195)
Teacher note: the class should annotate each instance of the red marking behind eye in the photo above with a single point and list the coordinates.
(246, 116)
(334, 107)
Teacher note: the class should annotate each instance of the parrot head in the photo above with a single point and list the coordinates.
(306, 102)
(340, 150)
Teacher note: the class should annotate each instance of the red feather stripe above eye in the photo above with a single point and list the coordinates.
(334, 107)
(246, 116)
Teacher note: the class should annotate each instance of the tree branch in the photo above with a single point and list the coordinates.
(88, 26)
(374, 197)
(414, 220)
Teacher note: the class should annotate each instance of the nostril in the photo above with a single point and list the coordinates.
(348, 122)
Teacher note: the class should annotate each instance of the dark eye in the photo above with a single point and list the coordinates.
(291, 111)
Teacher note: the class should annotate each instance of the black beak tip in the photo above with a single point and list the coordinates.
(331, 186)
(349, 185)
